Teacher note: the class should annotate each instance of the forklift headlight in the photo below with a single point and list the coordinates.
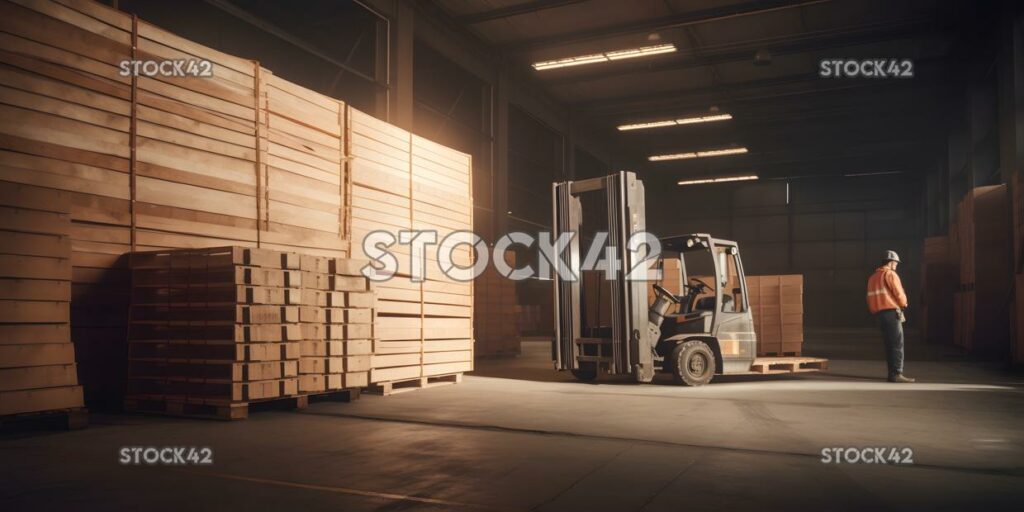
(689, 242)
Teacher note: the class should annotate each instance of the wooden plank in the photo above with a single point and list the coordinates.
(37, 354)
(195, 198)
(38, 377)
(32, 400)
(59, 130)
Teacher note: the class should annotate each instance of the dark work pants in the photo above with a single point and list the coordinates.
(892, 332)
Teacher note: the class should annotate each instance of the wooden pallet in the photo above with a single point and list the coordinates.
(334, 395)
(401, 386)
(64, 419)
(209, 409)
(779, 354)
(774, 365)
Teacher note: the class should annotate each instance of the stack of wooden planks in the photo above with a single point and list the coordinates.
(305, 188)
(65, 122)
(242, 158)
(777, 305)
(337, 316)
(402, 182)
(37, 359)
(212, 330)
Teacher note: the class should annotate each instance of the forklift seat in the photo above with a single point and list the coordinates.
(705, 304)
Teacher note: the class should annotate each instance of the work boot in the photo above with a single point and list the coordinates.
(900, 378)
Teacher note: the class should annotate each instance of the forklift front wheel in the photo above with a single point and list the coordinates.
(693, 363)
(586, 372)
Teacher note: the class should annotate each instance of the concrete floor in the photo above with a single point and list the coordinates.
(519, 436)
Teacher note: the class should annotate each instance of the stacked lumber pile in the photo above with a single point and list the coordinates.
(402, 182)
(337, 316)
(242, 158)
(442, 193)
(777, 305)
(65, 117)
(302, 166)
(981, 314)
(939, 281)
(496, 317)
(37, 359)
(212, 330)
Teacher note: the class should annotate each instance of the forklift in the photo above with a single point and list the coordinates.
(705, 331)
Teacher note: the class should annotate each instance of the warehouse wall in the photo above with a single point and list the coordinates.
(831, 230)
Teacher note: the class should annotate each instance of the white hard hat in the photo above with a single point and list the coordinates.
(892, 256)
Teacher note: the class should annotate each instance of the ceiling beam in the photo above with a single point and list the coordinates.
(513, 10)
(288, 37)
(800, 43)
(661, 23)
(925, 70)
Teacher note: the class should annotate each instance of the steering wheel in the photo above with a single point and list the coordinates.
(703, 285)
(665, 293)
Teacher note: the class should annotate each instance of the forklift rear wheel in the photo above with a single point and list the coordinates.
(693, 363)
(586, 372)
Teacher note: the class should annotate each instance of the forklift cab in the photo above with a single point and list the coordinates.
(704, 276)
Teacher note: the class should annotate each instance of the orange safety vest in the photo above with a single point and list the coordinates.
(885, 291)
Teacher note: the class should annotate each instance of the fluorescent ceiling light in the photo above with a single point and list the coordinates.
(880, 173)
(605, 57)
(704, 119)
(718, 180)
(698, 154)
(675, 122)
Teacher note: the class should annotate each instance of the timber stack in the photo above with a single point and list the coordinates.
(38, 374)
(242, 158)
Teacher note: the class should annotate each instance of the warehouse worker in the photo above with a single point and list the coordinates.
(886, 300)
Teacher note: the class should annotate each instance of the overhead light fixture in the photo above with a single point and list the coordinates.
(879, 173)
(605, 57)
(718, 180)
(675, 122)
(697, 154)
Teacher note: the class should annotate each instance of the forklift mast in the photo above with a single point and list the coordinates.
(632, 341)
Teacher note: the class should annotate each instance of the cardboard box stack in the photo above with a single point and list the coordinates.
(337, 317)
(777, 305)
(37, 359)
(211, 330)
(495, 321)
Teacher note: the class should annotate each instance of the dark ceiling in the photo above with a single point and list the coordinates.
(793, 121)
